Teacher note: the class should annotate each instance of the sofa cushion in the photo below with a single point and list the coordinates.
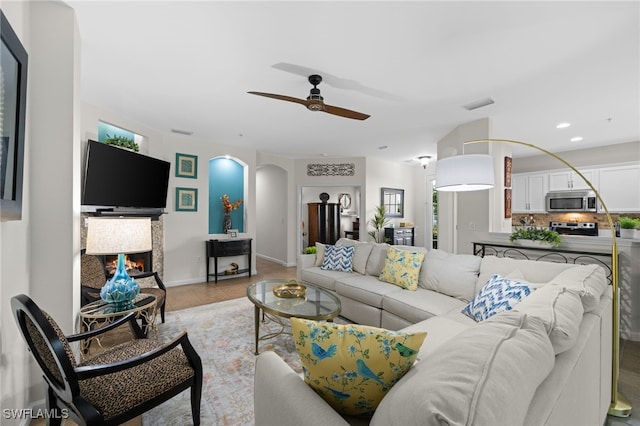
(561, 311)
(498, 295)
(504, 360)
(321, 278)
(364, 289)
(353, 366)
(589, 281)
(361, 256)
(419, 305)
(402, 267)
(531, 271)
(319, 254)
(338, 259)
(376, 259)
(452, 274)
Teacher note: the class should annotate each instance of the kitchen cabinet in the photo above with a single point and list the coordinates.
(566, 180)
(619, 187)
(528, 192)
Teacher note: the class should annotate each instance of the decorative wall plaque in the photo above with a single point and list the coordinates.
(340, 169)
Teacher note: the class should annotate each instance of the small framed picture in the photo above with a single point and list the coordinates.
(186, 199)
(186, 166)
(232, 233)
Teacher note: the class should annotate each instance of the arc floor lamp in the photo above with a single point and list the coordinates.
(475, 172)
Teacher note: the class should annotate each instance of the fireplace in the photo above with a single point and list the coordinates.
(135, 263)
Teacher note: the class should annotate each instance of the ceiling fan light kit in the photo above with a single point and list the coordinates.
(315, 102)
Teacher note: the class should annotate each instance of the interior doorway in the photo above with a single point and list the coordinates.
(344, 199)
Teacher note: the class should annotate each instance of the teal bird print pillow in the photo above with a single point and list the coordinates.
(352, 367)
(402, 268)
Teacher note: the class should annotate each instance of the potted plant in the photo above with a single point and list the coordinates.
(122, 142)
(628, 226)
(379, 221)
(535, 237)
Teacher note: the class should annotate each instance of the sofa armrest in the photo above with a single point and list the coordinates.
(304, 261)
(281, 397)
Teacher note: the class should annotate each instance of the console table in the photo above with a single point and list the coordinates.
(226, 248)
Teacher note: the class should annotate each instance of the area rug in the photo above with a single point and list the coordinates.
(223, 335)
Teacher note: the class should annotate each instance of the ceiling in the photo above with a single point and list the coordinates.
(410, 65)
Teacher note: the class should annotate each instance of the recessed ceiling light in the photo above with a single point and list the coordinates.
(576, 139)
(563, 125)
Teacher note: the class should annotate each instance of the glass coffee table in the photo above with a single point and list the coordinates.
(317, 304)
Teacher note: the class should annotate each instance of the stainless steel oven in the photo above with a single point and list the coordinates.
(571, 201)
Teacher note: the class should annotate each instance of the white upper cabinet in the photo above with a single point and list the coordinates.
(528, 192)
(568, 180)
(620, 188)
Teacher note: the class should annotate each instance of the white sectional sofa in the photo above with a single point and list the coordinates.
(546, 362)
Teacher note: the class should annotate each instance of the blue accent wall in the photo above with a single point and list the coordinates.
(105, 129)
(226, 176)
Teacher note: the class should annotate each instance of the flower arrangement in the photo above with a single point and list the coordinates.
(227, 205)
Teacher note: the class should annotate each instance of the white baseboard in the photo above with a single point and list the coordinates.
(278, 261)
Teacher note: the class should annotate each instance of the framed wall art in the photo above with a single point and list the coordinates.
(13, 111)
(186, 199)
(186, 165)
(507, 203)
(507, 172)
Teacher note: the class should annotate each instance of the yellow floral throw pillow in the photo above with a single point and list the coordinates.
(402, 268)
(353, 366)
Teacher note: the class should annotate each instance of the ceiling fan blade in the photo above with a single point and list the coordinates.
(337, 82)
(282, 97)
(343, 112)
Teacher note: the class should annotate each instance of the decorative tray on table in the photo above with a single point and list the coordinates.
(290, 290)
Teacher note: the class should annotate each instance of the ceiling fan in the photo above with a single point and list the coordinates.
(315, 102)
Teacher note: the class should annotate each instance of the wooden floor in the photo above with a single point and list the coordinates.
(187, 296)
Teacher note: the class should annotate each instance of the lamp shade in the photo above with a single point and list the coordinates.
(118, 235)
(470, 172)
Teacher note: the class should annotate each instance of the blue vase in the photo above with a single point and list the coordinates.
(121, 289)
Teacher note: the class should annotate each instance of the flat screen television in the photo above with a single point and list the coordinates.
(116, 177)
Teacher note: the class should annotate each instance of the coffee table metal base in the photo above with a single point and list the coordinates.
(317, 304)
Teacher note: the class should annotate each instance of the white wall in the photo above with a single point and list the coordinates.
(271, 220)
(14, 255)
(291, 218)
(410, 178)
(51, 193)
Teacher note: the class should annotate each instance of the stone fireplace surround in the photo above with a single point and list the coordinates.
(157, 237)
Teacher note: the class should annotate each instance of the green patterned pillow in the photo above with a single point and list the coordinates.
(353, 366)
(402, 268)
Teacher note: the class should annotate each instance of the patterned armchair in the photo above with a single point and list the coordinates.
(92, 278)
(113, 386)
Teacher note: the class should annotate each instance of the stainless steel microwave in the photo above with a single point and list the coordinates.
(571, 201)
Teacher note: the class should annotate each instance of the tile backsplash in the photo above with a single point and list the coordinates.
(543, 219)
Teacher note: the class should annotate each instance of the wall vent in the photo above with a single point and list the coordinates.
(478, 104)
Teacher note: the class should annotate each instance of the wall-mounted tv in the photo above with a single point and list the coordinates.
(116, 177)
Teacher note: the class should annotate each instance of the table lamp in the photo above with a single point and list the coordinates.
(475, 172)
(119, 236)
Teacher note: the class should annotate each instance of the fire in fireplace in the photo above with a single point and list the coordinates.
(135, 263)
